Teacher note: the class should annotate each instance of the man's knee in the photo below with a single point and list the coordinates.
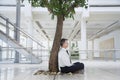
(81, 65)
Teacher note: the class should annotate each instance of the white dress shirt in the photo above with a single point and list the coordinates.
(63, 58)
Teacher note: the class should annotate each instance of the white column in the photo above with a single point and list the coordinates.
(84, 16)
(30, 31)
(28, 23)
(29, 26)
(0, 53)
(96, 47)
(90, 47)
(16, 31)
(83, 54)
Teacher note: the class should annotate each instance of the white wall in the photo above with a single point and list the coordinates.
(102, 2)
(116, 36)
(96, 47)
(89, 47)
(7, 1)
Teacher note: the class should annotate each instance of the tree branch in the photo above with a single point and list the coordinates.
(75, 4)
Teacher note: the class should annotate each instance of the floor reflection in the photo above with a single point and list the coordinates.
(11, 73)
(94, 70)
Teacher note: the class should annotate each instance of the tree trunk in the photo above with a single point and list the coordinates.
(53, 61)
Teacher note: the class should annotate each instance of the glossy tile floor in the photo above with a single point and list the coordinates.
(94, 70)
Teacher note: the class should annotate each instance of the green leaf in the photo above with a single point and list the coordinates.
(60, 7)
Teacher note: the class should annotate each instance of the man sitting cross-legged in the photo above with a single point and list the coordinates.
(64, 60)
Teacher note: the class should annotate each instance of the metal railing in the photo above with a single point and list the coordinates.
(13, 27)
(104, 54)
(9, 28)
(7, 55)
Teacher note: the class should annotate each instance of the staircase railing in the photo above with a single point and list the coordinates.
(9, 27)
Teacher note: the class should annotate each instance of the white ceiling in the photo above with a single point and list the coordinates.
(101, 20)
(97, 21)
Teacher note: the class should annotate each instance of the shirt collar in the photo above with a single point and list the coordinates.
(63, 49)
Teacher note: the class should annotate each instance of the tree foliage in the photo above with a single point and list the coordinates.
(66, 8)
(62, 9)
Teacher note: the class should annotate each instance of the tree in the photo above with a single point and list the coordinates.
(62, 9)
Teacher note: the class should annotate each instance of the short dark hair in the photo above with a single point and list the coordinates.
(62, 41)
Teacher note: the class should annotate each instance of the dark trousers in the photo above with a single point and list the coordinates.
(75, 67)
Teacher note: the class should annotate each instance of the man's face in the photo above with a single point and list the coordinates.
(65, 45)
